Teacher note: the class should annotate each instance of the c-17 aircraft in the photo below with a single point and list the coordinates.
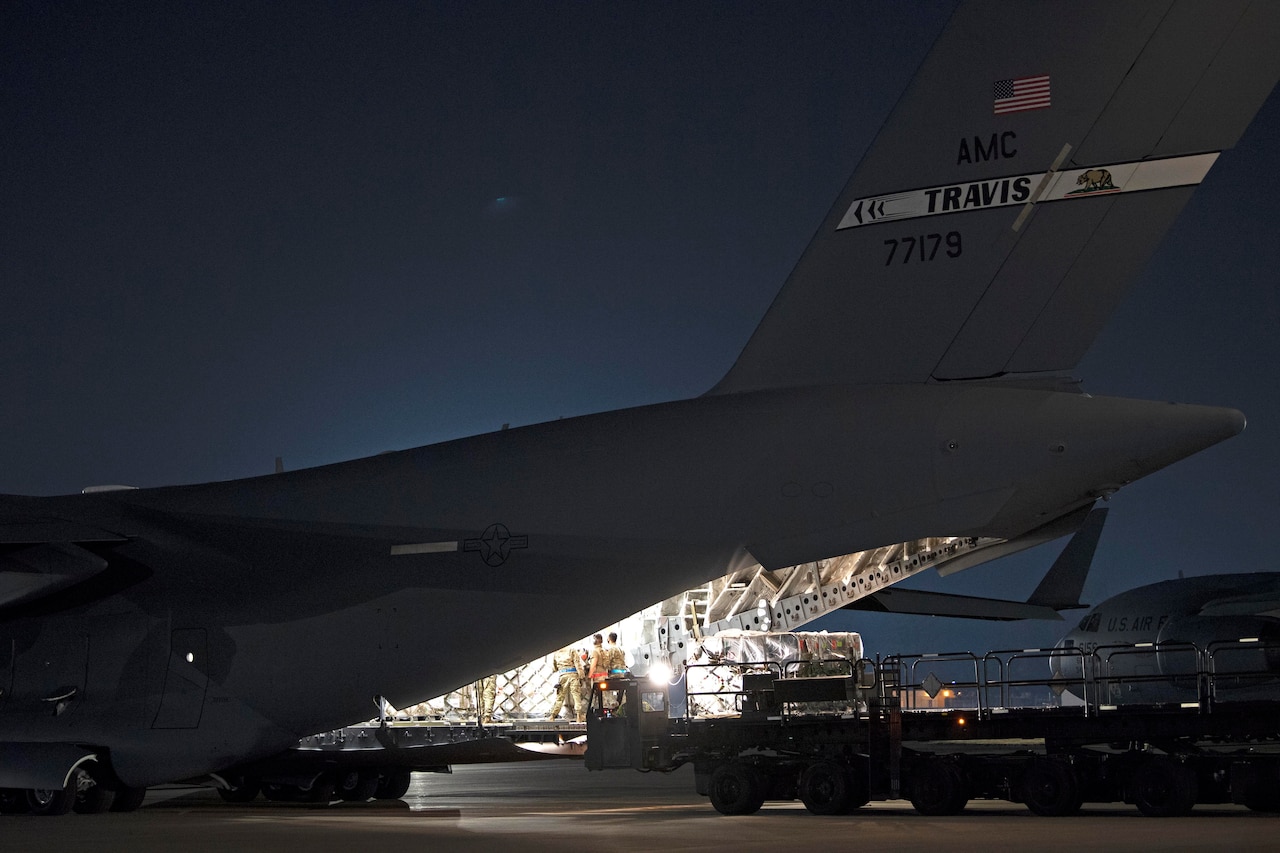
(911, 379)
(1153, 639)
(1202, 610)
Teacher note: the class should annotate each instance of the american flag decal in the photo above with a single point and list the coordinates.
(1021, 94)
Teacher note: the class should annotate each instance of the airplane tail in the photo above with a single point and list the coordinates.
(1023, 179)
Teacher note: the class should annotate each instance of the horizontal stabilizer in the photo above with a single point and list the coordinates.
(1062, 584)
(920, 602)
(1058, 590)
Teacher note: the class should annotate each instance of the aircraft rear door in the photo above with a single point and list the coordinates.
(185, 681)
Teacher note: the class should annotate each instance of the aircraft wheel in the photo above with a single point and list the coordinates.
(245, 789)
(1262, 798)
(320, 790)
(91, 796)
(393, 784)
(1164, 788)
(735, 789)
(1050, 789)
(128, 799)
(13, 801)
(51, 801)
(938, 789)
(357, 786)
(825, 788)
(278, 793)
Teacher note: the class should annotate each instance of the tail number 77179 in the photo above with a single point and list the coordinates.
(923, 248)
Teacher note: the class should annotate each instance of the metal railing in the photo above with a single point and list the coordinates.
(1105, 679)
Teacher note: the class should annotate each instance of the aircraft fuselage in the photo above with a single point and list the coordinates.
(234, 617)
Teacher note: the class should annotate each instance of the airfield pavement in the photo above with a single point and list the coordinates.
(559, 806)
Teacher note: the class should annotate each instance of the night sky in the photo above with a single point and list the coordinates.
(237, 231)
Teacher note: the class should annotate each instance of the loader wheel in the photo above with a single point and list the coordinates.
(358, 786)
(735, 789)
(938, 789)
(1049, 788)
(394, 784)
(1164, 788)
(825, 788)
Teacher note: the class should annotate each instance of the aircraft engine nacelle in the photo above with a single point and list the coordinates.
(1233, 643)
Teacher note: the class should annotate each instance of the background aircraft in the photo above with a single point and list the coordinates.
(197, 625)
(1160, 631)
(1199, 610)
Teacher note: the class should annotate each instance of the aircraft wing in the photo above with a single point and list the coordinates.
(1025, 176)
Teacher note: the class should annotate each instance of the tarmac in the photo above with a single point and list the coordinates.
(557, 805)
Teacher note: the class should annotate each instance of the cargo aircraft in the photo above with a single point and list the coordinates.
(1147, 644)
(1202, 610)
(911, 379)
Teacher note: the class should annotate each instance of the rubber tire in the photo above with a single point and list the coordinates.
(859, 785)
(278, 793)
(735, 789)
(357, 786)
(92, 797)
(321, 790)
(246, 790)
(51, 801)
(825, 788)
(937, 789)
(1164, 788)
(393, 783)
(13, 801)
(128, 799)
(1050, 788)
(1262, 798)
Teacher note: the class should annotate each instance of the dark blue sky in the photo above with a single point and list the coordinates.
(321, 231)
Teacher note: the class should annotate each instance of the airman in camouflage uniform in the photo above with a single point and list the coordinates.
(567, 665)
(615, 656)
(487, 688)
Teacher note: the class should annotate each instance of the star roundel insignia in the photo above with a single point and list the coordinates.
(495, 544)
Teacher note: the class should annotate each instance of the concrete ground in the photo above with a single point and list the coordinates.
(558, 805)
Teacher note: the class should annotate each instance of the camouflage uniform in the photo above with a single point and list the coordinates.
(568, 695)
(487, 688)
(608, 660)
(615, 659)
(598, 666)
